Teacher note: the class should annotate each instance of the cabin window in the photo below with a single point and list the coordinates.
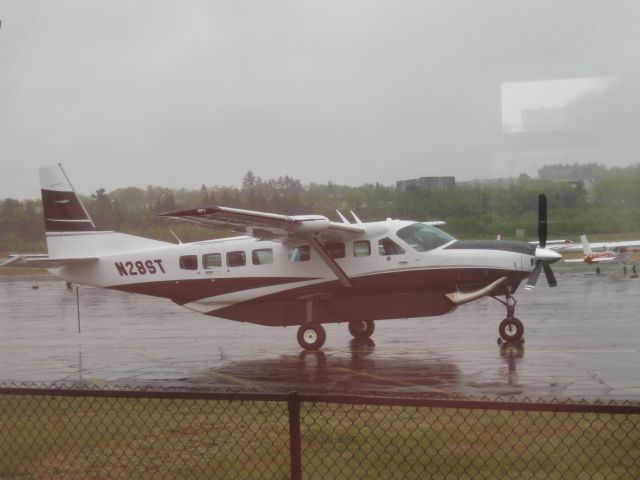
(211, 260)
(386, 246)
(336, 250)
(299, 254)
(423, 237)
(362, 248)
(236, 259)
(189, 262)
(262, 256)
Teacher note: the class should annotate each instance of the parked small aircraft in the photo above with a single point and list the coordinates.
(301, 270)
(610, 254)
(601, 246)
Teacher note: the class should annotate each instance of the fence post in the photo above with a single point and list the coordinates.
(294, 436)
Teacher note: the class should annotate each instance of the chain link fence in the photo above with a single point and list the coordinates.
(90, 433)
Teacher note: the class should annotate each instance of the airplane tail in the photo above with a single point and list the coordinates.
(586, 247)
(69, 228)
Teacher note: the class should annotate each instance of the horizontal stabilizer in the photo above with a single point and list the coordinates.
(43, 261)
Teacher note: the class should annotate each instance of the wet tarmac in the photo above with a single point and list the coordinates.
(582, 340)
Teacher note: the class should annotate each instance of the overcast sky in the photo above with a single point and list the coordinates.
(137, 93)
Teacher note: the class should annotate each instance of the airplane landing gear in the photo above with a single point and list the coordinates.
(511, 329)
(361, 329)
(311, 336)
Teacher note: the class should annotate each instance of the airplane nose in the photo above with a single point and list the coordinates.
(547, 256)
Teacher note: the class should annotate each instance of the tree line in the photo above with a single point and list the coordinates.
(582, 199)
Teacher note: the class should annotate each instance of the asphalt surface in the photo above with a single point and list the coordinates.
(582, 340)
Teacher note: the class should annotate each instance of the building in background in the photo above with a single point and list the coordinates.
(426, 183)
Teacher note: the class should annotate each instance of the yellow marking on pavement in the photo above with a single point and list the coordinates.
(389, 379)
(239, 381)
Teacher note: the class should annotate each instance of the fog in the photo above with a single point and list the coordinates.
(132, 93)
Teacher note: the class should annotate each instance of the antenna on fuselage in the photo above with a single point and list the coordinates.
(355, 217)
(342, 217)
(176, 237)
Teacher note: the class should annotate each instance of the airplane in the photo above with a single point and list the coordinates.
(616, 254)
(558, 245)
(601, 246)
(301, 270)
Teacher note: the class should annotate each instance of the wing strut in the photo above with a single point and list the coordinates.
(331, 263)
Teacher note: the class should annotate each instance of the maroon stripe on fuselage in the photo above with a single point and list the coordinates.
(67, 226)
(185, 291)
(408, 294)
(415, 281)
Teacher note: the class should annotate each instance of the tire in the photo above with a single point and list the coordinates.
(511, 330)
(361, 329)
(311, 336)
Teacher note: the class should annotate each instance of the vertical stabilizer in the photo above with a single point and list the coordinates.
(586, 248)
(63, 210)
(69, 228)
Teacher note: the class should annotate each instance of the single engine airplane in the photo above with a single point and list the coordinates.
(301, 270)
(601, 246)
(610, 254)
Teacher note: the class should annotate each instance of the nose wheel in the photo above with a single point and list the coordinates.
(510, 329)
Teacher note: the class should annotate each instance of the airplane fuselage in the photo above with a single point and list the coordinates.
(271, 283)
(301, 270)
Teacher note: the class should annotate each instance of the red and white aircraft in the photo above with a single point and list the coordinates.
(302, 270)
(610, 254)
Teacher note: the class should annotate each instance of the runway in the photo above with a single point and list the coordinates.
(582, 340)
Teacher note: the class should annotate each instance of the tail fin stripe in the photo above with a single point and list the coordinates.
(62, 206)
(67, 225)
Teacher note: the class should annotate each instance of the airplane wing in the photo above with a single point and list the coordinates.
(314, 229)
(43, 261)
(561, 245)
(627, 244)
(269, 226)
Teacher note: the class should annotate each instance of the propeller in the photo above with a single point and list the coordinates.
(542, 220)
(544, 257)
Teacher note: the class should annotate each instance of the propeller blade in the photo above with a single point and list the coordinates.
(542, 220)
(551, 278)
(533, 277)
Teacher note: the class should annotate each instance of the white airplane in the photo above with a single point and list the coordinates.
(302, 270)
(615, 254)
(558, 245)
(600, 246)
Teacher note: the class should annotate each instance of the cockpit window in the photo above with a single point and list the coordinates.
(423, 237)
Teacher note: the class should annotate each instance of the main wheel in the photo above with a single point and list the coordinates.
(511, 329)
(361, 329)
(311, 336)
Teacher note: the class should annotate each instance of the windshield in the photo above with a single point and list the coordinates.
(423, 237)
